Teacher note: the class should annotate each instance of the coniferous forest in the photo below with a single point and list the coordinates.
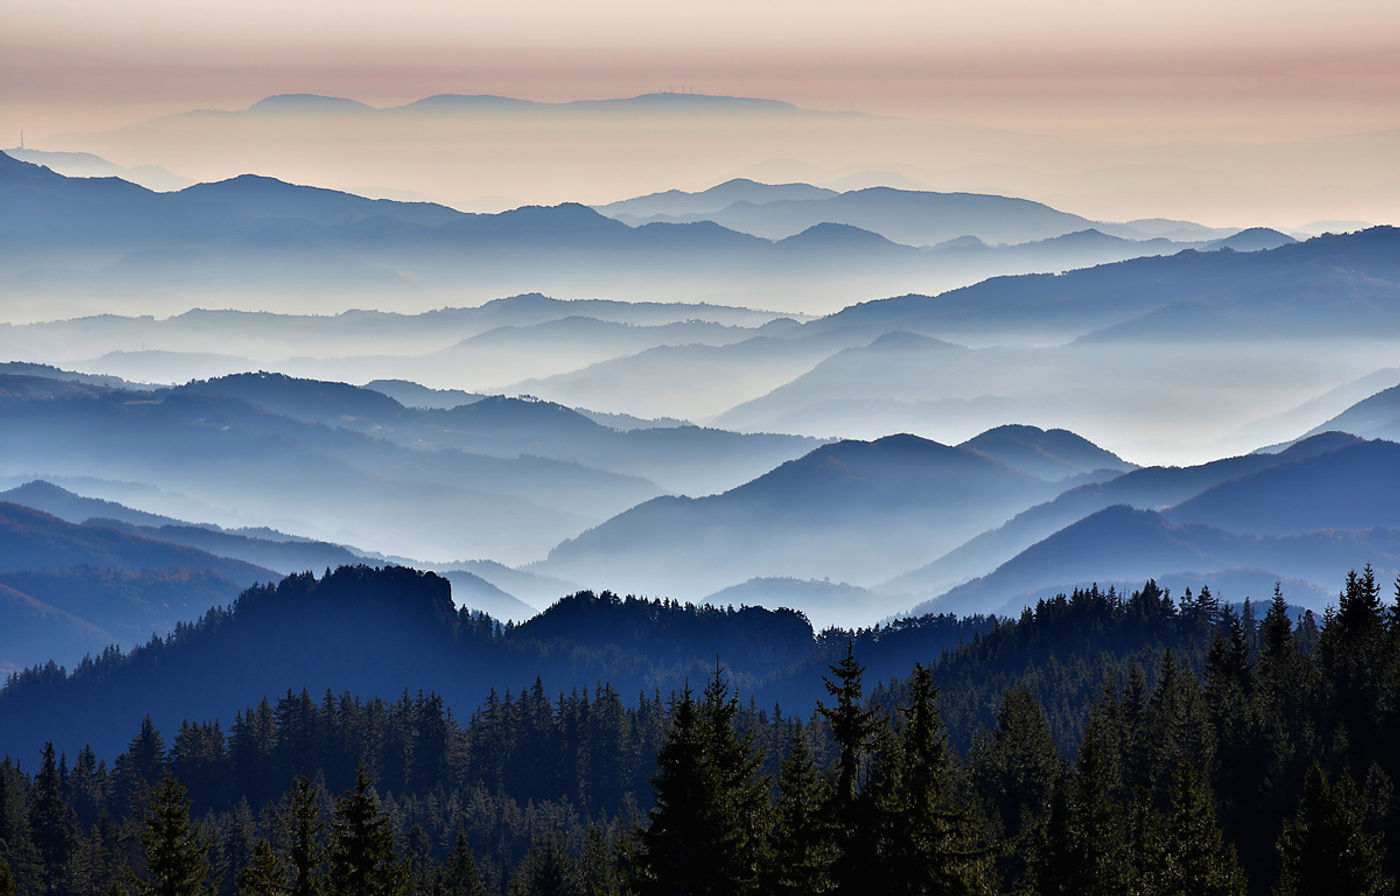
(1099, 744)
(916, 452)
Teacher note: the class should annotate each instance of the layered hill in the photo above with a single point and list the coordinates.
(254, 235)
(844, 511)
(310, 478)
(1302, 516)
(1114, 545)
(681, 458)
(1149, 488)
(1375, 417)
(69, 590)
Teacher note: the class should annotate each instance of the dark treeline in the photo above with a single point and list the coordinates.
(378, 631)
(1100, 744)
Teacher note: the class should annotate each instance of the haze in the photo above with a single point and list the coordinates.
(1256, 91)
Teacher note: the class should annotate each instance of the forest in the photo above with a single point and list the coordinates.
(1101, 743)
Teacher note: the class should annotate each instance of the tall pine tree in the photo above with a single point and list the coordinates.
(853, 728)
(1326, 849)
(362, 860)
(177, 853)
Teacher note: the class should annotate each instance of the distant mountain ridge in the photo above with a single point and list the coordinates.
(223, 450)
(843, 511)
(249, 233)
(1119, 542)
(467, 104)
(937, 221)
(1148, 488)
(71, 589)
(83, 164)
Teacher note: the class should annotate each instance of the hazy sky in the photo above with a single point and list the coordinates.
(1146, 71)
(1303, 66)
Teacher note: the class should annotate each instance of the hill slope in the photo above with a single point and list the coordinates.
(844, 511)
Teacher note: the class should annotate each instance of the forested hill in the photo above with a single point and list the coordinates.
(378, 632)
(1122, 744)
(381, 632)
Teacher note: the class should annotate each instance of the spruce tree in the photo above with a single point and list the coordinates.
(362, 860)
(303, 825)
(801, 851)
(1326, 849)
(741, 793)
(1085, 851)
(265, 874)
(177, 854)
(851, 811)
(52, 825)
(1054, 858)
(927, 846)
(706, 829)
(673, 855)
(1191, 857)
(546, 870)
(460, 875)
(1015, 768)
(597, 866)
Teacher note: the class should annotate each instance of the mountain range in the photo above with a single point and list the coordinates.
(69, 590)
(844, 511)
(794, 491)
(820, 532)
(310, 104)
(252, 235)
(316, 479)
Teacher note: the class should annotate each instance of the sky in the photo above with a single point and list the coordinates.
(1147, 72)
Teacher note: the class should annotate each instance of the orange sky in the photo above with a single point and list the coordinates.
(1321, 67)
(1146, 72)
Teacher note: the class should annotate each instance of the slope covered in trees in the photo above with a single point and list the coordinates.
(1213, 752)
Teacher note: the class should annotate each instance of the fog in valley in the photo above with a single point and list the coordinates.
(854, 396)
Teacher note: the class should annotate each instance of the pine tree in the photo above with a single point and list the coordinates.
(851, 812)
(177, 854)
(7, 880)
(362, 860)
(741, 797)
(801, 850)
(1191, 857)
(265, 874)
(303, 825)
(546, 870)
(52, 825)
(703, 836)
(1326, 849)
(460, 875)
(927, 845)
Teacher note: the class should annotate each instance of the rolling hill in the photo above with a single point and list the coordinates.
(68, 590)
(844, 511)
(1119, 543)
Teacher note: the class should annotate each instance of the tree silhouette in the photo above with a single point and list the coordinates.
(177, 854)
(362, 860)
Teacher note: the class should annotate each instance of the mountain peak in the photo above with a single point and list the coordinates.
(1254, 239)
(829, 235)
(308, 103)
(35, 488)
